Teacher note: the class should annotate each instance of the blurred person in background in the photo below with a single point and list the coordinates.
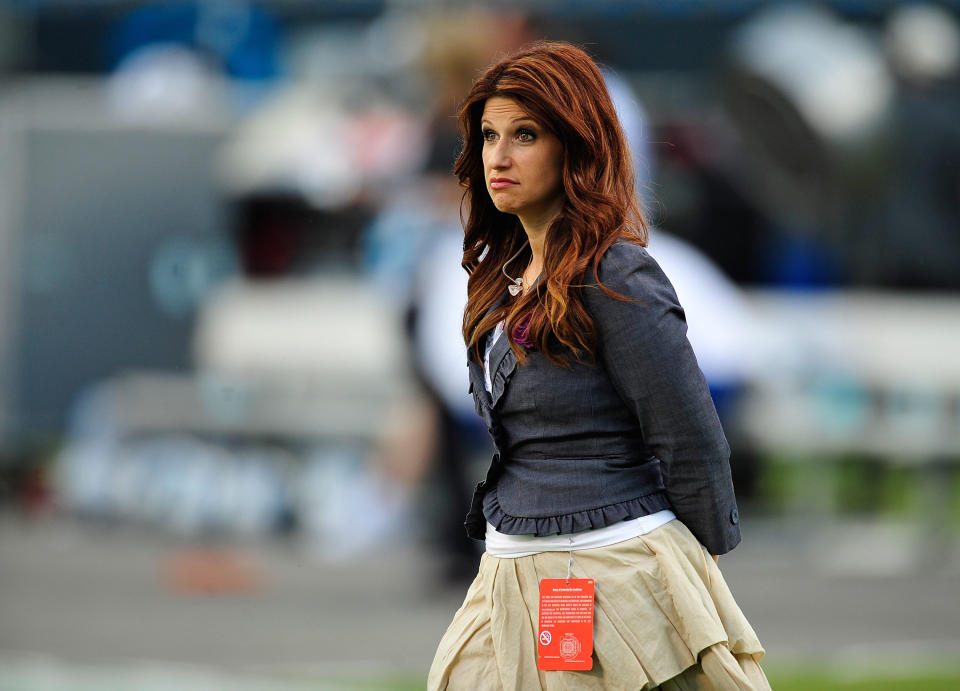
(413, 247)
(611, 463)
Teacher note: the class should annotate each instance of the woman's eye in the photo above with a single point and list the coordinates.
(488, 135)
(526, 136)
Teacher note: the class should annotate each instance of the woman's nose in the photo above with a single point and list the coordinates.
(500, 155)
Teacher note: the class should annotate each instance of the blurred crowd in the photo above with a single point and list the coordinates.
(230, 242)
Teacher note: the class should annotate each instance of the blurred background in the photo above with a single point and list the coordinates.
(236, 443)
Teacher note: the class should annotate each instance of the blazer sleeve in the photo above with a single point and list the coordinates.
(643, 345)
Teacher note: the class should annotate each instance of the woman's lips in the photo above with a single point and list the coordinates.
(502, 183)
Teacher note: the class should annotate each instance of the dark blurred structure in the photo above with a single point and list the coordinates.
(282, 235)
(837, 151)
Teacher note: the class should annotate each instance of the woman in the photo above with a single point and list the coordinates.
(611, 465)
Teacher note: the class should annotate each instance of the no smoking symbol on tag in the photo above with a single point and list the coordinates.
(545, 638)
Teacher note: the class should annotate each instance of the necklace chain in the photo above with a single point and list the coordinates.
(516, 284)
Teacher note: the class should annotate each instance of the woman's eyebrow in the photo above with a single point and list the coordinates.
(487, 123)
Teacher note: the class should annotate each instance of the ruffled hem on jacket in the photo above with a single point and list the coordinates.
(575, 522)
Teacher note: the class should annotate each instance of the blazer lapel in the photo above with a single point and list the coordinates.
(477, 379)
(502, 360)
(477, 384)
(502, 364)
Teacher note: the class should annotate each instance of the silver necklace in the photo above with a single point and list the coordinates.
(516, 284)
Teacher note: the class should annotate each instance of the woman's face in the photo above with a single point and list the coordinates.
(522, 163)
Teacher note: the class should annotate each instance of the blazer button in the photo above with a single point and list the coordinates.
(734, 517)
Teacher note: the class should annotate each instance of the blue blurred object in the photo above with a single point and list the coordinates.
(800, 262)
(243, 39)
(726, 396)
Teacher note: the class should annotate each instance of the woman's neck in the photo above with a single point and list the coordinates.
(536, 258)
(536, 230)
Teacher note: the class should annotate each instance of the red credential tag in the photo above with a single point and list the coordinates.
(565, 634)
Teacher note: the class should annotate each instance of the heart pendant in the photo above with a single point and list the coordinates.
(514, 288)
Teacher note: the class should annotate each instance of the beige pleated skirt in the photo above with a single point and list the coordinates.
(664, 618)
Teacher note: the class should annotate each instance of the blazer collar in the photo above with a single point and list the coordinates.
(496, 355)
(499, 302)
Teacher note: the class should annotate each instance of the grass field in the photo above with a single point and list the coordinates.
(941, 677)
(780, 680)
(796, 682)
(821, 683)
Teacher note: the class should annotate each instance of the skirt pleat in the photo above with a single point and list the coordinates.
(719, 670)
(513, 627)
(664, 615)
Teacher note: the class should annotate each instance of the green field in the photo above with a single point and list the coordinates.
(940, 679)
(943, 677)
(821, 683)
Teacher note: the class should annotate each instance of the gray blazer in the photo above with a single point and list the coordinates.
(629, 434)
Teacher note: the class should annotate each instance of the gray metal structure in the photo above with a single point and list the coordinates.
(106, 230)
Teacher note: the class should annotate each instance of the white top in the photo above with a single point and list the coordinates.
(497, 332)
(513, 546)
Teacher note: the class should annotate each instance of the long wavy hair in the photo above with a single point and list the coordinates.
(561, 88)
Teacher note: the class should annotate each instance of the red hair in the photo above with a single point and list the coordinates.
(561, 88)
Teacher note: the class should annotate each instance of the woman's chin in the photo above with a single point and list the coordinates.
(505, 207)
